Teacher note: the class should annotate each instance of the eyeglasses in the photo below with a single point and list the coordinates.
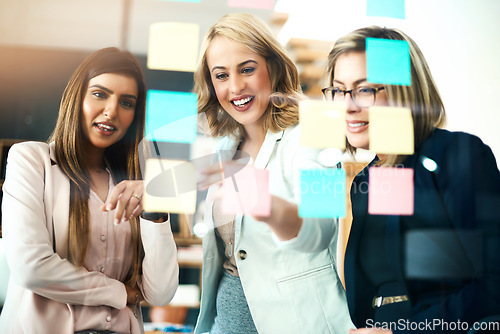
(363, 97)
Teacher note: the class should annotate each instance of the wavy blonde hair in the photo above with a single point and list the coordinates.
(422, 96)
(121, 158)
(249, 30)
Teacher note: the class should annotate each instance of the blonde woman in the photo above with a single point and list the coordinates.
(434, 271)
(272, 274)
(80, 258)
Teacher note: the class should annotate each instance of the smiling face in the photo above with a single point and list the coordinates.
(108, 109)
(241, 81)
(349, 73)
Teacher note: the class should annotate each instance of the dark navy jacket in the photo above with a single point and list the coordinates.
(446, 256)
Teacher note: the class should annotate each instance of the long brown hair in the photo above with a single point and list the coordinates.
(422, 96)
(121, 158)
(249, 30)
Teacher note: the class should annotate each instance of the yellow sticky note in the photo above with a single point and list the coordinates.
(170, 186)
(322, 124)
(173, 46)
(391, 130)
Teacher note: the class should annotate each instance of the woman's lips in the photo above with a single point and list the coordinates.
(356, 126)
(243, 103)
(105, 129)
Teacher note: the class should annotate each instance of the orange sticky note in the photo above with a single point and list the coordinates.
(322, 124)
(173, 46)
(391, 130)
(246, 191)
(390, 191)
(170, 186)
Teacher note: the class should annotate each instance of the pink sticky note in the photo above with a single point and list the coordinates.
(246, 191)
(390, 191)
(261, 4)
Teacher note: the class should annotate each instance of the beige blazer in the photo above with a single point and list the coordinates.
(43, 283)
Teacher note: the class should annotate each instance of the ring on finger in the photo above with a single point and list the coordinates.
(139, 197)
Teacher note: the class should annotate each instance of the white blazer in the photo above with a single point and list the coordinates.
(292, 286)
(43, 283)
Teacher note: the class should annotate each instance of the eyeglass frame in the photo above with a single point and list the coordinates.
(350, 91)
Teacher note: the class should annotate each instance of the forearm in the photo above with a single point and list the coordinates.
(160, 267)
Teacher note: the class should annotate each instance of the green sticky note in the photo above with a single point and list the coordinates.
(386, 8)
(171, 116)
(388, 61)
(322, 193)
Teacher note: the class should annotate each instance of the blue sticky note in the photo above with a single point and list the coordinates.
(171, 116)
(322, 193)
(388, 61)
(386, 8)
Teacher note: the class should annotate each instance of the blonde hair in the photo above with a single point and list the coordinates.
(121, 158)
(247, 29)
(422, 96)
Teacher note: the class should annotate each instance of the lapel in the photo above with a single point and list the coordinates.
(271, 140)
(60, 212)
(350, 265)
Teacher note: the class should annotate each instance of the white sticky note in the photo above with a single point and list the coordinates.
(173, 46)
(170, 186)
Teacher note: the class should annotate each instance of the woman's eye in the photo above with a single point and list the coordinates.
(248, 70)
(221, 76)
(365, 90)
(128, 104)
(99, 94)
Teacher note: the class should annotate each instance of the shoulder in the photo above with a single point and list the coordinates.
(444, 139)
(453, 146)
(29, 149)
(292, 133)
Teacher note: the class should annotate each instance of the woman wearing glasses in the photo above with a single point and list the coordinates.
(438, 265)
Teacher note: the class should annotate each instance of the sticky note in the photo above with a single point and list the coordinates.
(173, 46)
(388, 61)
(260, 4)
(391, 130)
(390, 191)
(171, 116)
(386, 8)
(322, 124)
(170, 186)
(322, 193)
(246, 191)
